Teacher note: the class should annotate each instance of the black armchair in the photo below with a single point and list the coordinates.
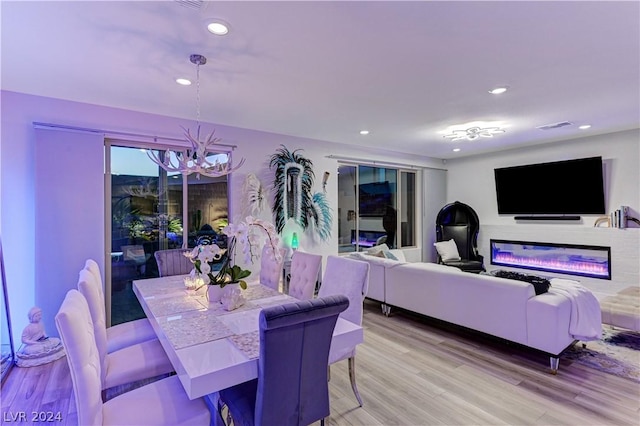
(459, 222)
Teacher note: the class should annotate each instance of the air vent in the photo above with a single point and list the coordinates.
(191, 4)
(554, 125)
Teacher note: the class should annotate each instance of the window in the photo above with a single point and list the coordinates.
(373, 204)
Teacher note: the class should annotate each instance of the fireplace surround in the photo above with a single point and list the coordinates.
(572, 259)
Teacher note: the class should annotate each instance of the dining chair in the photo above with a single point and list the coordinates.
(349, 277)
(270, 268)
(305, 268)
(121, 335)
(172, 262)
(132, 363)
(163, 402)
(292, 387)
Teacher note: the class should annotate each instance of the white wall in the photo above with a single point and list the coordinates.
(18, 215)
(471, 181)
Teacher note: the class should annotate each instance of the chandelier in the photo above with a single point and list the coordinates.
(473, 133)
(194, 159)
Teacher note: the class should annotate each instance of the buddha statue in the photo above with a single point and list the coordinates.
(37, 348)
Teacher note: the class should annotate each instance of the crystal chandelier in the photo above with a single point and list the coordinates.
(473, 133)
(194, 159)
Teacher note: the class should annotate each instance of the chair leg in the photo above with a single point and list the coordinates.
(352, 377)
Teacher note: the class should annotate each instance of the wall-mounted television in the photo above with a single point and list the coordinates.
(561, 187)
(374, 198)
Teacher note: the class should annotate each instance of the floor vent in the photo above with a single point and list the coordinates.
(554, 125)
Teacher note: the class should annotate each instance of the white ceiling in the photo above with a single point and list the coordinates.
(326, 70)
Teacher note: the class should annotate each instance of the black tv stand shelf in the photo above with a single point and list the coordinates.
(556, 217)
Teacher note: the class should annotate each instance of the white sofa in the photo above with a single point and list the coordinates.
(501, 307)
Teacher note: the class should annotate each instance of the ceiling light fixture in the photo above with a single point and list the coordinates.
(498, 90)
(456, 149)
(364, 132)
(183, 81)
(194, 159)
(218, 27)
(584, 127)
(473, 133)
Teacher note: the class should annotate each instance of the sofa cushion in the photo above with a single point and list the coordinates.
(447, 250)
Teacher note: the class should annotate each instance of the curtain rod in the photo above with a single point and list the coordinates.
(376, 162)
(118, 133)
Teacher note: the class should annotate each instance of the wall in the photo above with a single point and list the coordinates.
(17, 174)
(470, 180)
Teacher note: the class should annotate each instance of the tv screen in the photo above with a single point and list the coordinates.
(561, 187)
(374, 198)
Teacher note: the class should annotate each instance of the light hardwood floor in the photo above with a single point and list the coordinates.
(412, 371)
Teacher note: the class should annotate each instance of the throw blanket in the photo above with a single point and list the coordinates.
(586, 319)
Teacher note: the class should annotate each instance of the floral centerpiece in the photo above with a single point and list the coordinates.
(244, 234)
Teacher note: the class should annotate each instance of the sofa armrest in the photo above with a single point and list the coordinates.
(548, 317)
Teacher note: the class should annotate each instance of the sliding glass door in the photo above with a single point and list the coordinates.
(376, 205)
(152, 210)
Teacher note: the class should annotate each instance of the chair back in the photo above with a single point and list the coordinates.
(172, 262)
(92, 266)
(459, 222)
(305, 268)
(292, 369)
(349, 277)
(75, 327)
(270, 268)
(90, 289)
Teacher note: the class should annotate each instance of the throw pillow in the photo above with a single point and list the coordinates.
(389, 255)
(377, 249)
(379, 254)
(399, 254)
(447, 250)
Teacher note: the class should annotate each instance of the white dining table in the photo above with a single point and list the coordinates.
(211, 348)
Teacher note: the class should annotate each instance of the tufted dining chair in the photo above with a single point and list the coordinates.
(305, 268)
(349, 277)
(291, 388)
(132, 363)
(270, 268)
(172, 262)
(125, 334)
(163, 402)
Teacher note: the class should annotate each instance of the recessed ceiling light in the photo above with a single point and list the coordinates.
(584, 126)
(218, 27)
(183, 81)
(364, 132)
(498, 90)
(456, 149)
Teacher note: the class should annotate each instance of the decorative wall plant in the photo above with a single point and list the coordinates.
(293, 182)
(255, 193)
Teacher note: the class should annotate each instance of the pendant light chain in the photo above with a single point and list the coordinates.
(198, 94)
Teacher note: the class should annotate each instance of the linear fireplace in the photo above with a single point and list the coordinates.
(586, 261)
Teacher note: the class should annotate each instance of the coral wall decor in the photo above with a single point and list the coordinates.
(293, 198)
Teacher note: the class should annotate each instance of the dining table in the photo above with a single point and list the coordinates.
(212, 348)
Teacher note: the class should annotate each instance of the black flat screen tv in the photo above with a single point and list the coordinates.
(561, 187)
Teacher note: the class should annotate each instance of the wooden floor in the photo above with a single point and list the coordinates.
(412, 371)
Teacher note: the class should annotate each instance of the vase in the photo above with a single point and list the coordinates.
(215, 293)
